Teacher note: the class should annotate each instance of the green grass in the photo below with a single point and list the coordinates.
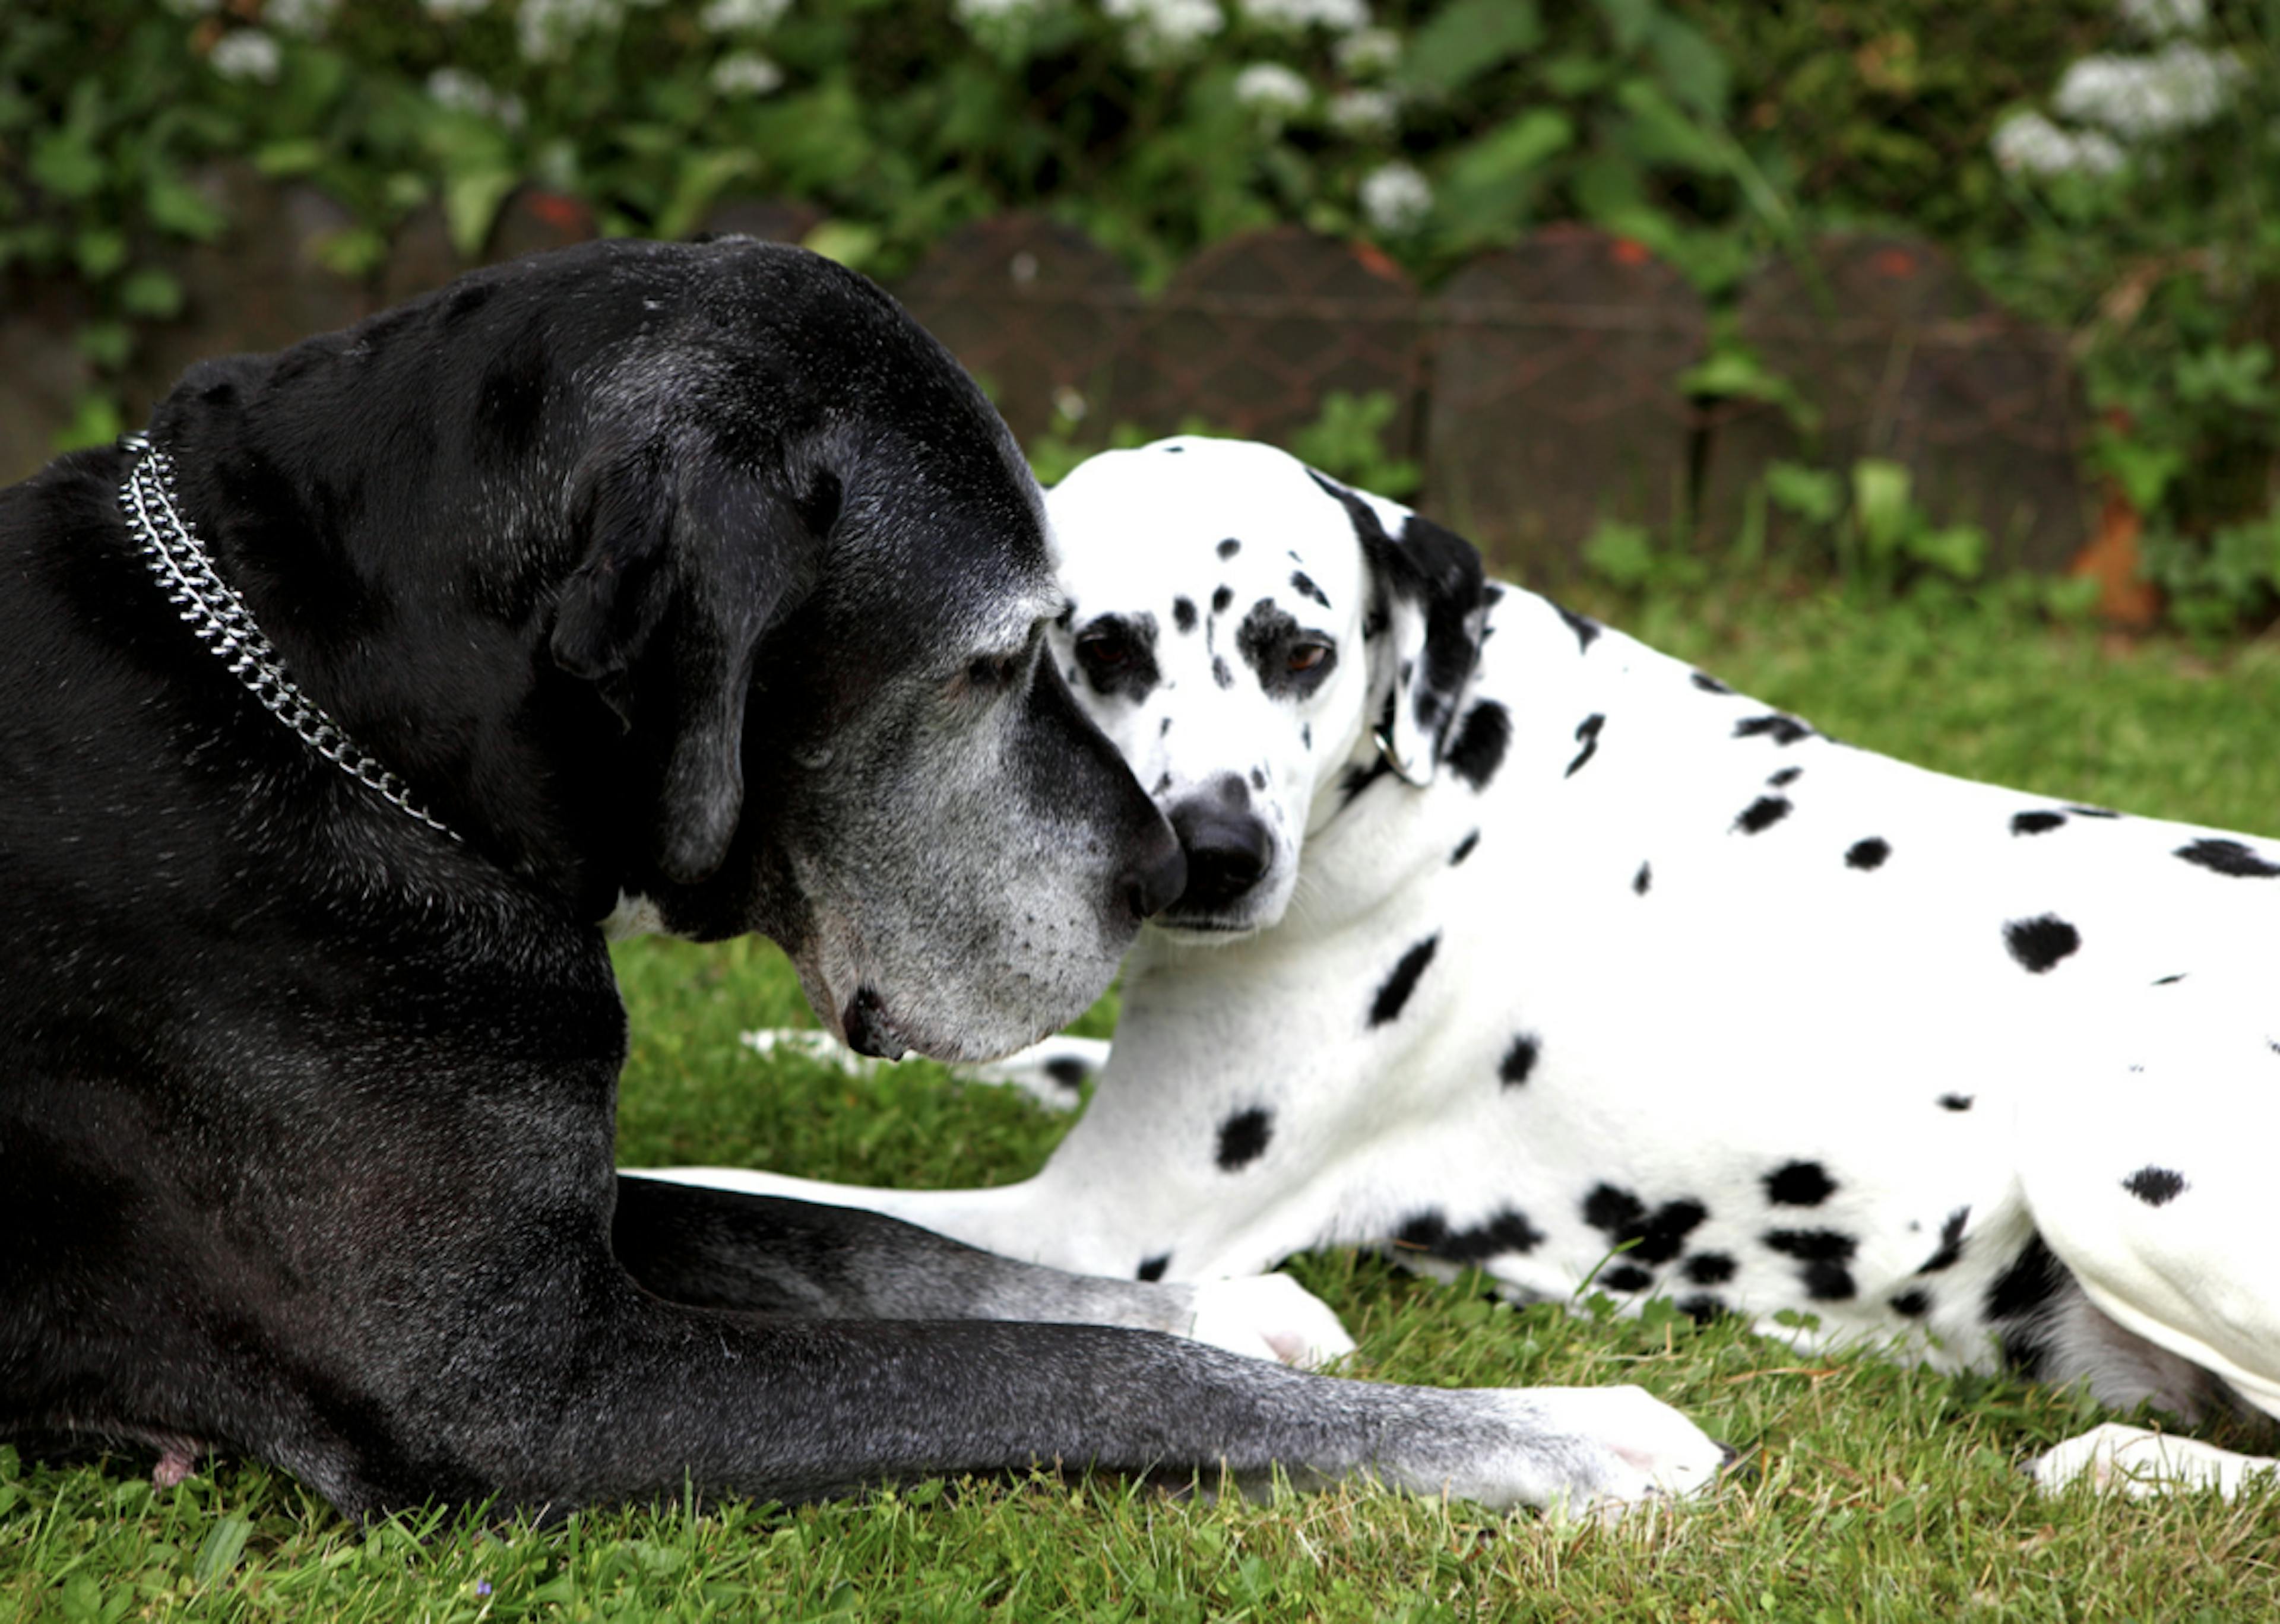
(1879, 1492)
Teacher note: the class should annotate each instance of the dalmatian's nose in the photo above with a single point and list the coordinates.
(1228, 846)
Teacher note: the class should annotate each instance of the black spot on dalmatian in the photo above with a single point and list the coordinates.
(1154, 1268)
(2039, 942)
(1477, 750)
(1506, 1230)
(2092, 812)
(1243, 1138)
(1914, 1304)
(1702, 1308)
(1303, 584)
(1709, 684)
(2036, 822)
(1781, 728)
(1229, 548)
(1824, 1252)
(1643, 879)
(1164, 727)
(1784, 779)
(1221, 598)
(1586, 629)
(1951, 1243)
(1067, 615)
(1520, 1060)
(2035, 1276)
(2155, 1185)
(1183, 613)
(1162, 783)
(1708, 1268)
(2229, 857)
(1762, 813)
(1264, 640)
(1221, 674)
(1956, 1102)
(1395, 993)
(1464, 848)
(1176, 449)
(1117, 654)
(1626, 1277)
(1587, 734)
(1869, 853)
(1799, 1184)
(1068, 1071)
(1621, 1216)
(2169, 981)
(1306, 734)
(1258, 778)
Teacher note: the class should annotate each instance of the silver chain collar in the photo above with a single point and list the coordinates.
(218, 617)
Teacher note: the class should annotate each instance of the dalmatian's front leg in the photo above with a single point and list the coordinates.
(2149, 1174)
(1052, 1072)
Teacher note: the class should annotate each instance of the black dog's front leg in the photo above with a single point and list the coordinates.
(714, 1249)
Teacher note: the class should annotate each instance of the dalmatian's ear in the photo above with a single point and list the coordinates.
(1426, 626)
(689, 561)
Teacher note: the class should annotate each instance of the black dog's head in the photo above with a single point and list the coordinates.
(700, 582)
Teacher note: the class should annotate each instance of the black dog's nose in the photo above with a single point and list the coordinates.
(1229, 848)
(1154, 882)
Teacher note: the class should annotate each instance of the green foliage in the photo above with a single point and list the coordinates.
(1714, 134)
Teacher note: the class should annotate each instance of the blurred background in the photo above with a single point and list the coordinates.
(1957, 290)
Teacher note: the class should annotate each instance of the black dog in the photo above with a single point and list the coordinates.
(691, 588)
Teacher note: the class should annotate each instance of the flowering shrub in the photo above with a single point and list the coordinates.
(2105, 165)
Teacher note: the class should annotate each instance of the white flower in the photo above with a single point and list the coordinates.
(2160, 17)
(2179, 88)
(460, 91)
(451, 11)
(1342, 16)
(546, 28)
(303, 19)
(1160, 31)
(1272, 90)
(2028, 142)
(246, 53)
(1363, 113)
(1371, 51)
(1395, 198)
(742, 16)
(745, 72)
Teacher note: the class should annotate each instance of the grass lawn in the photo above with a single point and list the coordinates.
(1880, 1492)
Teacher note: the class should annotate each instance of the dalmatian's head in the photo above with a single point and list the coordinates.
(1248, 631)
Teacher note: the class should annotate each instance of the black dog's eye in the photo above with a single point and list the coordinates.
(1308, 656)
(994, 671)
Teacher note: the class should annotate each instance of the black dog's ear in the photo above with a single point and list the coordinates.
(1429, 593)
(688, 563)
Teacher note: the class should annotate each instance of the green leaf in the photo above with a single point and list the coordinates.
(1486, 187)
(849, 242)
(1465, 41)
(701, 178)
(66, 163)
(1689, 66)
(471, 203)
(106, 343)
(1813, 495)
(176, 206)
(1880, 501)
(217, 1557)
(1623, 553)
(280, 158)
(151, 292)
(99, 252)
(1960, 550)
(1629, 20)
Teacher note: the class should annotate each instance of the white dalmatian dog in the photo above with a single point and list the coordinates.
(1510, 942)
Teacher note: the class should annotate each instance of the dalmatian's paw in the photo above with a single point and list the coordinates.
(1268, 1317)
(1581, 1453)
(2127, 1460)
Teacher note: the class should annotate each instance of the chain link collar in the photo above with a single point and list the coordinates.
(218, 617)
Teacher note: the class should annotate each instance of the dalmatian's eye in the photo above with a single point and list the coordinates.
(1105, 649)
(1308, 656)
